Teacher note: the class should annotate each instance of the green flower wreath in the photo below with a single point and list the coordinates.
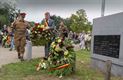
(61, 60)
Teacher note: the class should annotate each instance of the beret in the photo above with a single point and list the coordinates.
(23, 14)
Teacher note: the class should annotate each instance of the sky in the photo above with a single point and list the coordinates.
(35, 9)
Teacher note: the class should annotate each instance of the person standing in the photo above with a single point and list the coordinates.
(47, 21)
(12, 41)
(5, 29)
(4, 39)
(1, 34)
(63, 29)
(70, 35)
(20, 26)
(11, 35)
(87, 40)
(82, 40)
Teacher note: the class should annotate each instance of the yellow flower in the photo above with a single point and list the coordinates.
(66, 52)
(53, 44)
(59, 40)
(58, 48)
(42, 26)
(39, 26)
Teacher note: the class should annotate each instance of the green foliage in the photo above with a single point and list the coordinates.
(67, 22)
(78, 22)
(61, 57)
(61, 61)
(57, 20)
(3, 19)
(7, 13)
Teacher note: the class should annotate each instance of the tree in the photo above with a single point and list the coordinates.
(67, 22)
(7, 12)
(3, 17)
(78, 22)
(57, 20)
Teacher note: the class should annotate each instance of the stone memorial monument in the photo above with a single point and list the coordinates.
(107, 43)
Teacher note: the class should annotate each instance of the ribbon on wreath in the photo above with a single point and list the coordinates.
(46, 23)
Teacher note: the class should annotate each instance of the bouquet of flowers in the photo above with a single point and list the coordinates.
(61, 60)
(41, 34)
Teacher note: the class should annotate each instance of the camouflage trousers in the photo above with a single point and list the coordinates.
(20, 42)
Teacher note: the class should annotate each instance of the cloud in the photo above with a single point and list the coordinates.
(64, 8)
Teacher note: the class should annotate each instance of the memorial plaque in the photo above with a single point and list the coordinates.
(107, 45)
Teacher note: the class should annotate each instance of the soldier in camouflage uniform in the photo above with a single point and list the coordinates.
(20, 26)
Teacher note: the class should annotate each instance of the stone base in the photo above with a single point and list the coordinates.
(116, 70)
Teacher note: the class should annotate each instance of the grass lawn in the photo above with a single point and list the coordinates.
(27, 70)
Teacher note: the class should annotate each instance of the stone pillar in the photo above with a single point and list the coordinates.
(29, 50)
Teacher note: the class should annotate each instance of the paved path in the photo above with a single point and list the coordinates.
(7, 56)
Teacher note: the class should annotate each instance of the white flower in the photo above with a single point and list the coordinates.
(49, 59)
(65, 58)
(58, 61)
(44, 65)
(35, 32)
(60, 76)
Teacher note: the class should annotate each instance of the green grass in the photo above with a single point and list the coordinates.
(27, 70)
(16, 71)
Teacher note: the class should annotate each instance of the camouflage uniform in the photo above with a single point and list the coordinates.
(20, 36)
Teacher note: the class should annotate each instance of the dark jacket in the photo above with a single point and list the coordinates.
(50, 23)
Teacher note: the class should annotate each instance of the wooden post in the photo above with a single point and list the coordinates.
(108, 70)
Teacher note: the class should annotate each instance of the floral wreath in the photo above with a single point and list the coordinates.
(61, 60)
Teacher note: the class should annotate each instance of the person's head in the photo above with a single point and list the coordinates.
(61, 23)
(22, 16)
(71, 32)
(47, 15)
(61, 35)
